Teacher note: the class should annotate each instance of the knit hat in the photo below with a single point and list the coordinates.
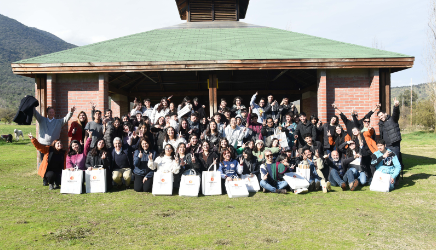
(259, 141)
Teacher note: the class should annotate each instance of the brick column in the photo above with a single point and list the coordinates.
(322, 95)
(51, 91)
(374, 97)
(103, 89)
(119, 105)
(309, 102)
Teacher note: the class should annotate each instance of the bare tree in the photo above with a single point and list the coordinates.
(430, 54)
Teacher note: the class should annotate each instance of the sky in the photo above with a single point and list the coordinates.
(395, 25)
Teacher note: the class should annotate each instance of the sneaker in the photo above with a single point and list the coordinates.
(324, 186)
(329, 186)
(317, 186)
(281, 191)
(56, 186)
(354, 185)
(44, 182)
(50, 187)
(264, 190)
(344, 186)
(312, 186)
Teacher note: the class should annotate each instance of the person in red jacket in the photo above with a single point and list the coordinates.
(77, 129)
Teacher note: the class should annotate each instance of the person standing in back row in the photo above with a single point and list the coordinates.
(50, 129)
(96, 127)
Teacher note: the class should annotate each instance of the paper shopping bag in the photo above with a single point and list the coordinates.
(296, 181)
(283, 141)
(380, 182)
(189, 185)
(163, 184)
(71, 182)
(303, 171)
(211, 182)
(236, 189)
(95, 181)
(251, 182)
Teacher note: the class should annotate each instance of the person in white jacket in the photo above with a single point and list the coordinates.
(234, 133)
(172, 138)
(258, 109)
(160, 109)
(166, 162)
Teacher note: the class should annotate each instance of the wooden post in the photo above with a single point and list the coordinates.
(212, 84)
(388, 91)
(41, 96)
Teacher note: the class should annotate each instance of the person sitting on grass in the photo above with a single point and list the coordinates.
(386, 161)
(337, 170)
(353, 164)
(270, 175)
(99, 157)
(259, 151)
(143, 174)
(121, 163)
(316, 167)
(53, 162)
(229, 168)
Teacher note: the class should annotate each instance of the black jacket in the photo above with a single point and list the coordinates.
(303, 129)
(92, 161)
(251, 167)
(206, 164)
(390, 129)
(25, 111)
(349, 125)
(324, 129)
(359, 123)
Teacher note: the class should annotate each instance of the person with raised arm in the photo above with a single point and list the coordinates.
(258, 109)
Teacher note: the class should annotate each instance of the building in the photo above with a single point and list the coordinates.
(214, 55)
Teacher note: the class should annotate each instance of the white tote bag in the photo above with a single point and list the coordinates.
(380, 182)
(95, 181)
(303, 172)
(189, 185)
(163, 183)
(71, 182)
(251, 182)
(283, 141)
(236, 188)
(211, 182)
(296, 181)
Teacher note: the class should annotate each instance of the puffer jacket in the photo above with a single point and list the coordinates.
(109, 136)
(390, 129)
(164, 164)
(302, 129)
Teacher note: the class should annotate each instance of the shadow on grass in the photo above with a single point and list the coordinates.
(413, 163)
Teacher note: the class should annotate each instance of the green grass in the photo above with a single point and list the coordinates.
(31, 216)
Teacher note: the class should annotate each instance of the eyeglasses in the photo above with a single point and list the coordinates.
(366, 121)
(268, 156)
(168, 149)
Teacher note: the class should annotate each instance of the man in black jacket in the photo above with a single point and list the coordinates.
(390, 131)
(336, 169)
(355, 123)
(328, 129)
(304, 127)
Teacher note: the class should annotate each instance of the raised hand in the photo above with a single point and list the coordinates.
(316, 153)
(150, 157)
(328, 133)
(334, 106)
(203, 106)
(140, 154)
(93, 106)
(103, 156)
(73, 109)
(241, 161)
(256, 93)
(134, 135)
(170, 97)
(202, 136)
(396, 102)
(81, 142)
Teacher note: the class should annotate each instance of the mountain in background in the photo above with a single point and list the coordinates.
(17, 42)
(420, 89)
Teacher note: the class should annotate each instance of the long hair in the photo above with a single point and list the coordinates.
(237, 97)
(185, 100)
(84, 122)
(222, 155)
(71, 150)
(249, 154)
(55, 150)
(161, 106)
(358, 137)
(167, 137)
(172, 154)
(141, 149)
(95, 151)
(178, 147)
(209, 130)
(255, 147)
(350, 151)
(314, 117)
(339, 137)
(181, 129)
(129, 125)
(337, 120)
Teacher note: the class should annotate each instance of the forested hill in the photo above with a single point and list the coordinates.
(17, 42)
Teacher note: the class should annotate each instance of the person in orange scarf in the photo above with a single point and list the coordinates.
(53, 162)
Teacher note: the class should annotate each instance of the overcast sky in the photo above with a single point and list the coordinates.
(398, 25)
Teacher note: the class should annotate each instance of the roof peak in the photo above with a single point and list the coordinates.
(212, 10)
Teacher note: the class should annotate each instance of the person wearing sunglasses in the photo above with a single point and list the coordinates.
(229, 168)
(272, 174)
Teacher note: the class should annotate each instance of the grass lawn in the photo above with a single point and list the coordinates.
(31, 216)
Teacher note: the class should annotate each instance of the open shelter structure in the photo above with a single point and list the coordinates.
(214, 55)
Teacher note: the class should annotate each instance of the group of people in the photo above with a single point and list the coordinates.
(236, 139)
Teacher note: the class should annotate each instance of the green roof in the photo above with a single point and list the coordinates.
(196, 43)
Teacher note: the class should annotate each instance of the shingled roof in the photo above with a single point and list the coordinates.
(215, 42)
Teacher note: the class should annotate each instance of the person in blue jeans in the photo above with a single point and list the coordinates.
(386, 161)
(316, 166)
(272, 175)
(337, 170)
(355, 171)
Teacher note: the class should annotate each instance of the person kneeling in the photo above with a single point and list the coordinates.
(121, 164)
(143, 174)
(272, 181)
(385, 161)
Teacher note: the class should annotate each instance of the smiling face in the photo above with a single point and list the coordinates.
(355, 131)
(75, 147)
(168, 150)
(352, 146)
(238, 102)
(227, 155)
(82, 117)
(335, 155)
(333, 120)
(182, 149)
(262, 103)
(259, 145)
(205, 146)
(164, 102)
(338, 130)
(118, 145)
(213, 126)
(100, 144)
(97, 116)
(58, 145)
(382, 116)
(194, 140)
(303, 118)
(147, 104)
(233, 122)
(184, 124)
(224, 144)
(117, 124)
(170, 132)
(172, 106)
(270, 98)
(144, 145)
(51, 113)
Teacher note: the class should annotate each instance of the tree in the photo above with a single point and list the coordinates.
(424, 115)
(404, 98)
(7, 115)
(430, 55)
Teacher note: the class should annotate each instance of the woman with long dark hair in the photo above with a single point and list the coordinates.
(143, 174)
(172, 138)
(53, 162)
(166, 162)
(77, 129)
(212, 135)
(224, 145)
(228, 167)
(142, 133)
(76, 156)
(237, 106)
(184, 128)
(160, 109)
(249, 163)
(207, 156)
(127, 132)
(99, 157)
(338, 140)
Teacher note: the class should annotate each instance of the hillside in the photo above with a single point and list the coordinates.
(17, 42)
(420, 89)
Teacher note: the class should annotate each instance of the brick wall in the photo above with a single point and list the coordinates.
(309, 103)
(68, 90)
(348, 89)
(119, 105)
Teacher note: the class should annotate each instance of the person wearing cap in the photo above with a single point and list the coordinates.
(259, 151)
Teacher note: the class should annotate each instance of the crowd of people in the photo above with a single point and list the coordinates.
(182, 139)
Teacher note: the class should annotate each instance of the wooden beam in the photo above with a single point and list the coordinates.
(130, 81)
(213, 102)
(279, 75)
(116, 77)
(151, 79)
(205, 92)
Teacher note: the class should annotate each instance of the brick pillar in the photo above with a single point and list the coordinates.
(119, 105)
(374, 97)
(103, 89)
(322, 95)
(51, 91)
(309, 102)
